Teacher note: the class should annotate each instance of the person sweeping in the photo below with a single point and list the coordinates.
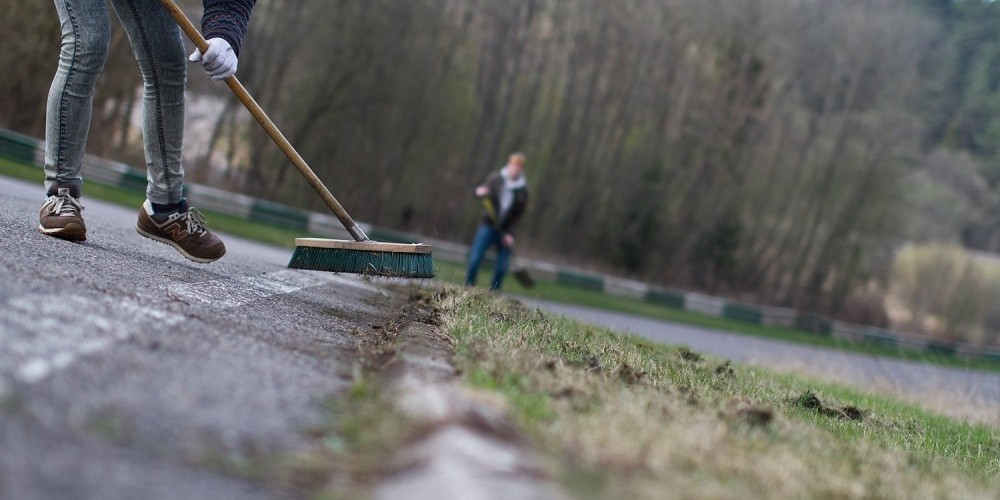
(156, 42)
(504, 196)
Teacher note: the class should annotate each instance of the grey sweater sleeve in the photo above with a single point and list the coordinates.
(227, 19)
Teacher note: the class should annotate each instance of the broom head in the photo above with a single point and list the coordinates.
(391, 260)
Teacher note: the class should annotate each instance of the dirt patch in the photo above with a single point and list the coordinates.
(689, 355)
(757, 416)
(377, 345)
(567, 393)
(550, 365)
(810, 401)
(592, 363)
(725, 370)
(628, 374)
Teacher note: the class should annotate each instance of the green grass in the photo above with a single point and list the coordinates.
(554, 292)
(545, 289)
(635, 419)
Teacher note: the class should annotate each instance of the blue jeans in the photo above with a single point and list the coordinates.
(486, 237)
(159, 50)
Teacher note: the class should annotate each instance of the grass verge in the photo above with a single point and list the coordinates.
(554, 292)
(622, 418)
(546, 290)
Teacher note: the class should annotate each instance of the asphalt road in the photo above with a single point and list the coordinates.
(129, 372)
(964, 393)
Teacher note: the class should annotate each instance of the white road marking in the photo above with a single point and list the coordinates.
(227, 294)
(56, 330)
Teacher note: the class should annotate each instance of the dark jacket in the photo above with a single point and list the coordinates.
(227, 19)
(507, 221)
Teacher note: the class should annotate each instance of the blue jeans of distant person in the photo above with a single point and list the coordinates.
(159, 50)
(488, 236)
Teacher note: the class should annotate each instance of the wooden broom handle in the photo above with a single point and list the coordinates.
(272, 130)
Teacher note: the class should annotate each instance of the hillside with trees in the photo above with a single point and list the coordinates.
(780, 151)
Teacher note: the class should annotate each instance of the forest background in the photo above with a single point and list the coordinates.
(838, 157)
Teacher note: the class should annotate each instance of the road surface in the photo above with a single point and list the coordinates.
(129, 372)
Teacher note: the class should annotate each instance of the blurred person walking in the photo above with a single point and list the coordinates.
(159, 50)
(504, 196)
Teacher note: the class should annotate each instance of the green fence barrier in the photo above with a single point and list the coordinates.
(666, 298)
(279, 215)
(993, 357)
(389, 237)
(134, 180)
(880, 338)
(814, 323)
(580, 280)
(941, 348)
(18, 149)
(743, 312)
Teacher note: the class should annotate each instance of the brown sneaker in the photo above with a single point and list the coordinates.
(184, 230)
(61, 216)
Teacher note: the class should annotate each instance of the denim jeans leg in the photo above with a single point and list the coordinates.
(480, 244)
(158, 48)
(503, 263)
(86, 35)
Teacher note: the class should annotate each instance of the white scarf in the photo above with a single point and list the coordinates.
(509, 186)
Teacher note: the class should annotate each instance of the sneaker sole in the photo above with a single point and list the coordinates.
(200, 260)
(72, 232)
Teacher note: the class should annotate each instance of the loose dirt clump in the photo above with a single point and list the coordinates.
(377, 345)
(567, 393)
(550, 365)
(628, 374)
(810, 401)
(756, 416)
(852, 412)
(593, 363)
(725, 370)
(689, 355)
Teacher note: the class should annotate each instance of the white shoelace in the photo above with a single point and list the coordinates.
(195, 221)
(65, 206)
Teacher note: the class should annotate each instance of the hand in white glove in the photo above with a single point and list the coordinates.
(508, 240)
(219, 60)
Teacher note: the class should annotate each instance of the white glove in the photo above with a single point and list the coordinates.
(219, 60)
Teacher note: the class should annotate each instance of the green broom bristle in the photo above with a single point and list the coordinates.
(387, 264)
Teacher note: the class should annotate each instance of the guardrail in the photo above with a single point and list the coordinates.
(27, 149)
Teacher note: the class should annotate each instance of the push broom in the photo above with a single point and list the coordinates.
(361, 256)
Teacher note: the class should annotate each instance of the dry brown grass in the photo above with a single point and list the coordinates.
(946, 291)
